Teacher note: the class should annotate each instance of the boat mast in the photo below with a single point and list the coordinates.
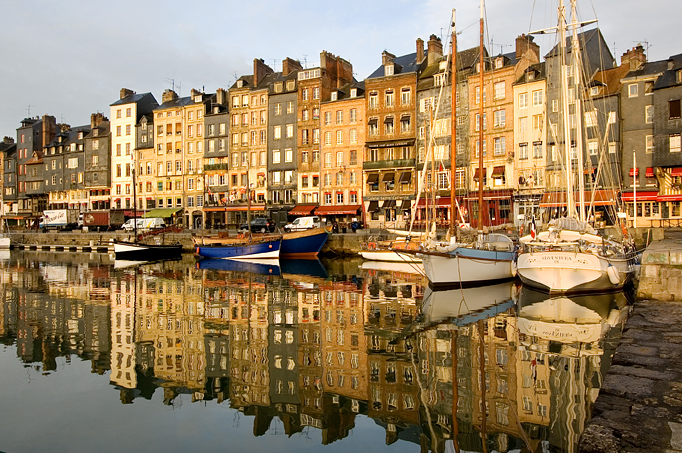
(481, 68)
(570, 203)
(576, 62)
(132, 156)
(453, 125)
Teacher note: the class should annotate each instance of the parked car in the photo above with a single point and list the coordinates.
(259, 225)
(303, 223)
(152, 223)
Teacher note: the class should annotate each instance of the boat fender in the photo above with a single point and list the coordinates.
(513, 268)
(612, 272)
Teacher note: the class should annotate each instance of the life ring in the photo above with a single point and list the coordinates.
(371, 246)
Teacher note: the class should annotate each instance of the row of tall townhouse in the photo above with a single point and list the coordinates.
(315, 140)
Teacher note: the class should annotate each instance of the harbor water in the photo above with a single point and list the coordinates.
(290, 355)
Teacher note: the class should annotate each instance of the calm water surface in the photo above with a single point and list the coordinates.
(337, 355)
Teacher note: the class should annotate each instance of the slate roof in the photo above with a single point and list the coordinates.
(403, 65)
(669, 77)
(583, 38)
(133, 98)
(539, 71)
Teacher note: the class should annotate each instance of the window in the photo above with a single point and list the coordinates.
(555, 105)
(278, 132)
(405, 124)
(523, 100)
(537, 150)
(499, 117)
(592, 147)
(633, 90)
(406, 96)
(499, 143)
(537, 122)
(675, 144)
(290, 130)
(499, 90)
(327, 118)
(523, 150)
(478, 121)
(316, 93)
(649, 144)
(537, 97)
(388, 123)
(353, 135)
(275, 156)
(523, 124)
(389, 99)
(649, 114)
(327, 138)
(339, 117)
(674, 108)
(373, 100)
(278, 108)
(339, 137)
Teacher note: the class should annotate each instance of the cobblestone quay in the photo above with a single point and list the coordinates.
(639, 407)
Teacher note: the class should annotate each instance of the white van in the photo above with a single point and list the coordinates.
(303, 223)
(153, 223)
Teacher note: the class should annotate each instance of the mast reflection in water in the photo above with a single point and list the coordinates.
(211, 354)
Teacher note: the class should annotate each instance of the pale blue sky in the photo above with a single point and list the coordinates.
(70, 59)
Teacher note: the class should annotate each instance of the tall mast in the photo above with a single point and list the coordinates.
(453, 124)
(481, 68)
(132, 156)
(570, 203)
(576, 62)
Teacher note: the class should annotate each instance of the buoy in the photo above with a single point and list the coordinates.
(513, 268)
(612, 272)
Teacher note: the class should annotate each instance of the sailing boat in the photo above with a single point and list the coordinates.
(571, 257)
(140, 248)
(244, 245)
(490, 258)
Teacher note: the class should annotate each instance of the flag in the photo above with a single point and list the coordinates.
(532, 228)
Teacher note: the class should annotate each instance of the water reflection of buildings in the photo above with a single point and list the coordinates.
(316, 352)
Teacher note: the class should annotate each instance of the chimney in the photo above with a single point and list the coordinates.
(96, 119)
(221, 96)
(49, 129)
(420, 50)
(168, 95)
(289, 66)
(634, 57)
(63, 127)
(8, 140)
(260, 70)
(387, 58)
(524, 43)
(125, 92)
(435, 49)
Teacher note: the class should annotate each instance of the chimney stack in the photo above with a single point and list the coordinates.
(260, 70)
(435, 49)
(289, 66)
(524, 43)
(387, 58)
(420, 50)
(8, 140)
(96, 119)
(125, 92)
(168, 95)
(635, 57)
(221, 96)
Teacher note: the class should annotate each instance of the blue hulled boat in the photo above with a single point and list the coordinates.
(305, 243)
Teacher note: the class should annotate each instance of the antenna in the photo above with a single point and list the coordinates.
(502, 46)
(28, 110)
(646, 45)
(274, 64)
(172, 82)
(305, 61)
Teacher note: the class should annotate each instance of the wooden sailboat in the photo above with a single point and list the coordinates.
(571, 257)
(491, 257)
(141, 246)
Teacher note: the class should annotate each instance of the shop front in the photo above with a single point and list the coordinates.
(343, 216)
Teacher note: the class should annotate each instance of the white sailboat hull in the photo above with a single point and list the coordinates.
(568, 271)
(467, 266)
(389, 255)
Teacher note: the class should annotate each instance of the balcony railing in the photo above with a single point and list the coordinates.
(210, 167)
(395, 163)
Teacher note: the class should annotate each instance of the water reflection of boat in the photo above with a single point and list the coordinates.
(122, 264)
(467, 305)
(393, 266)
(255, 266)
(313, 268)
(569, 319)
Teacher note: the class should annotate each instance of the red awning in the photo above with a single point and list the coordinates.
(117, 199)
(558, 199)
(674, 197)
(649, 172)
(442, 202)
(243, 208)
(634, 172)
(641, 196)
(303, 209)
(676, 171)
(498, 171)
(477, 171)
(338, 210)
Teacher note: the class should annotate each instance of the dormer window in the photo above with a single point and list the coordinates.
(499, 62)
(353, 92)
(335, 95)
(240, 83)
(594, 91)
(442, 65)
(278, 87)
(197, 98)
(679, 76)
(439, 79)
(389, 70)
(80, 136)
(531, 76)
